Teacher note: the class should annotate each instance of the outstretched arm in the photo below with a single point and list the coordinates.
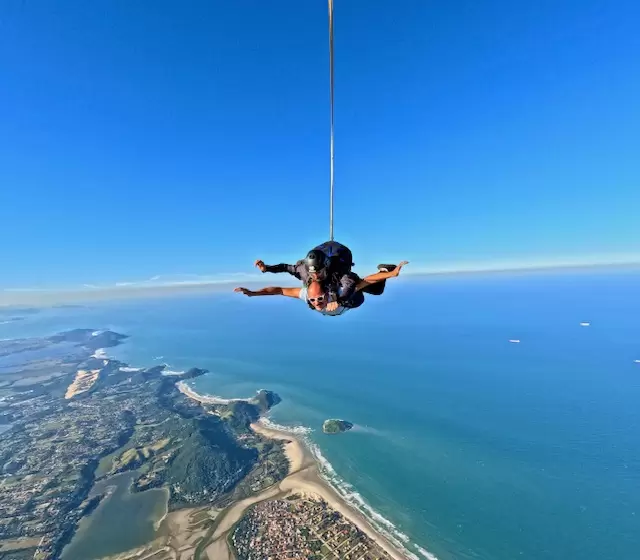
(378, 277)
(271, 291)
(275, 268)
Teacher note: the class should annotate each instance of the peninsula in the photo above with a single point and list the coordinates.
(74, 417)
(76, 421)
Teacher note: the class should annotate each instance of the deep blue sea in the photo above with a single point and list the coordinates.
(466, 445)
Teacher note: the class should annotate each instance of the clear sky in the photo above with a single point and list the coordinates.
(189, 138)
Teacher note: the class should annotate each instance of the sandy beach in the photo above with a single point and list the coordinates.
(204, 399)
(303, 478)
(298, 455)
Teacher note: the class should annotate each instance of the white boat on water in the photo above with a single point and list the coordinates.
(514, 340)
(585, 324)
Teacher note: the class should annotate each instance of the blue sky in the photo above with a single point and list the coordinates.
(168, 138)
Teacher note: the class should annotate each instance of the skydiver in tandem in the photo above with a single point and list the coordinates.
(328, 284)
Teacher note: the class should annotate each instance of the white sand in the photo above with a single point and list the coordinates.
(296, 452)
(84, 380)
(203, 399)
(303, 478)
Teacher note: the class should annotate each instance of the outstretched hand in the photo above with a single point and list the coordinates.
(260, 264)
(245, 291)
(332, 306)
(396, 271)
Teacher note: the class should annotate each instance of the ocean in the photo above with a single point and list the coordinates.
(465, 445)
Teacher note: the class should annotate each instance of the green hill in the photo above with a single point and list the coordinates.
(208, 463)
(333, 426)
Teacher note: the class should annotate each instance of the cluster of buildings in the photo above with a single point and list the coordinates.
(63, 434)
(47, 463)
(301, 528)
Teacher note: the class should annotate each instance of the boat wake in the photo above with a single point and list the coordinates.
(367, 430)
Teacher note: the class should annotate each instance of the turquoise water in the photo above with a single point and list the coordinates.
(466, 445)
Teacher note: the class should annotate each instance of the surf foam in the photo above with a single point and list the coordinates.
(295, 430)
(349, 494)
(170, 372)
(425, 553)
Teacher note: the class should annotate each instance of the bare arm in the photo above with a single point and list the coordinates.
(270, 291)
(379, 276)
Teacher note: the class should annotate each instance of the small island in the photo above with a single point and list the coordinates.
(333, 426)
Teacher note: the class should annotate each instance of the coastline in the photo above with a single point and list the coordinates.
(203, 399)
(208, 531)
(304, 478)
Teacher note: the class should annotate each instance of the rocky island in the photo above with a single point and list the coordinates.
(92, 449)
(333, 426)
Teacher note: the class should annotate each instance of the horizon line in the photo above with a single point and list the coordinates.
(50, 296)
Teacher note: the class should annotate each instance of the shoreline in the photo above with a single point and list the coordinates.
(304, 477)
(203, 399)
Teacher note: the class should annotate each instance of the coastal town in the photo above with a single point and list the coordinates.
(73, 419)
(301, 527)
(61, 436)
(48, 453)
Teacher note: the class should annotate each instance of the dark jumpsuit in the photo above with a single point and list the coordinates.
(342, 281)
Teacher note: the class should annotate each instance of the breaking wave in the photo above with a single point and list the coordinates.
(425, 553)
(350, 495)
(346, 491)
(296, 430)
(170, 372)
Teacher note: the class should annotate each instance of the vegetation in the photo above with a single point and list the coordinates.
(264, 400)
(207, 464)
(333, 426)
(134, 457)
(131, 420)
(193, 372)
(86, 338)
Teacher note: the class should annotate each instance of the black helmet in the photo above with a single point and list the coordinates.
(315, 261)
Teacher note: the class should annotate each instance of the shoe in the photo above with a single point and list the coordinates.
(387, 267)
